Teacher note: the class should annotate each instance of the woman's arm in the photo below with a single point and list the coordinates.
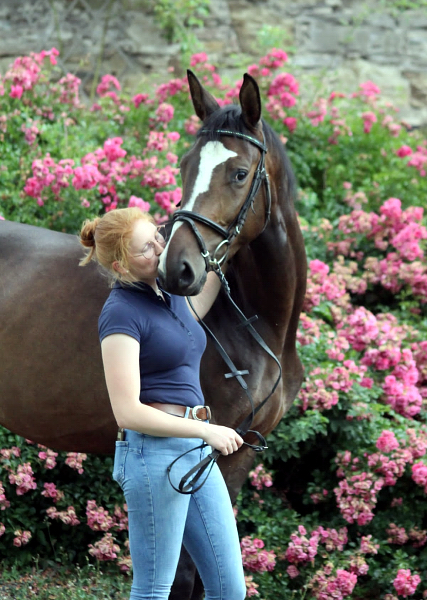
(120, 355)
(204, 300)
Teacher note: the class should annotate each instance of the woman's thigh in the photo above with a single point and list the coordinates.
(157, 513)
(212, 540)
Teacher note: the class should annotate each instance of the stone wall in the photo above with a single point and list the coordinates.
(333, 43)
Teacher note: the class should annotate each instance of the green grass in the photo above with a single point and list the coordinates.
(60, 583)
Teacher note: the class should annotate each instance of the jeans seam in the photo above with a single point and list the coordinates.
(153, 517)
(202, 516)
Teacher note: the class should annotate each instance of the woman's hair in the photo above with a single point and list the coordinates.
(108, 237)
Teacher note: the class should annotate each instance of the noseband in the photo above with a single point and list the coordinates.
(236, 225)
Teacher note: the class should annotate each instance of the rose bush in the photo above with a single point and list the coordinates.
(337, 507)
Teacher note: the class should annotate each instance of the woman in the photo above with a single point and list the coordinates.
(151, 349)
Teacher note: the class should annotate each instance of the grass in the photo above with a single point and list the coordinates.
(60, 583)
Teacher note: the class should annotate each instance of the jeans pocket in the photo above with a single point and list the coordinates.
(120, 454)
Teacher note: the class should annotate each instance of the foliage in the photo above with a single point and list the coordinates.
(178, 19)
(63, 583)
(337, 508)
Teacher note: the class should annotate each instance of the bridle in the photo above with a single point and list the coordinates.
(190, 479)
(235, 227)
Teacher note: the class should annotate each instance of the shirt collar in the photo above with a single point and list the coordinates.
(140, 286)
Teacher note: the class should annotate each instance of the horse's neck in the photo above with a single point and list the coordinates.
(259, 276)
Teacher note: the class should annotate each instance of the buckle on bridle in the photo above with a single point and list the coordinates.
(196, 408)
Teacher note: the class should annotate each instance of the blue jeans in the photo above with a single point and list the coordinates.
(161, 519)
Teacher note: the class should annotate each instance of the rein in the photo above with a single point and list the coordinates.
(190, 479)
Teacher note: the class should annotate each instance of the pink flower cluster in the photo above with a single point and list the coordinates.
(251, 586)
(419, 475)
(325, 586)
(391, 468)
(51, 491)
(319, 112)
(105, 169)
(68, 89)
(368, 91)
(398, 535)
(358, 565)
(49, 456)
(105, 548)
(21, 538)
(314, 395)
(322, 386)
(308, 330)
(405, 584)
(254, 557)
(25, 72)
(418, 158)
(23, 479)
(98, 518)
(260, 478)
(75, 461)
(393, 228)
(357, 496)
(30, 132)
(275, 59)
(301, 549)
(4, 503)
(360, 328)
(333, 539)
(367, 546)
(171, 88)
(107, 83)
(387, 441)
(321, 286)
(68, 516)
(369, 118)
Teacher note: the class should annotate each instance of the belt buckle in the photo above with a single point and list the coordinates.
(196, 408)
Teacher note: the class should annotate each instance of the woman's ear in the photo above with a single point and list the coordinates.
(119, 268)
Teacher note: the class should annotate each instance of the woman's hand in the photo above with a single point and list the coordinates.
(224, 439)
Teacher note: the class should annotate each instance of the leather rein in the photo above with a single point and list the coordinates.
(190, 481)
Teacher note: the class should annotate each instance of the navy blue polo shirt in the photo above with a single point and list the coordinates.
(171, 341)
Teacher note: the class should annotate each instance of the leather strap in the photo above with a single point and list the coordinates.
(200, 413)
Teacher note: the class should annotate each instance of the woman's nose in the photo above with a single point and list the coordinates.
(158, 248)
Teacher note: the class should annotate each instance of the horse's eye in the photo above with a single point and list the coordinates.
(241, 175)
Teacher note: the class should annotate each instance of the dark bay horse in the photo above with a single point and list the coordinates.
(52, 387)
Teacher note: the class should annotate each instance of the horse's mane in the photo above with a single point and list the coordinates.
(229, 117)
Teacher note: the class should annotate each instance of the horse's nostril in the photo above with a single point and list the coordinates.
(186, 276)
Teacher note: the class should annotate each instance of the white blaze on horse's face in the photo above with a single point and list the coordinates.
(211, 155)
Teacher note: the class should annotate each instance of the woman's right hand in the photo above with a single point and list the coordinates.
(223, 439)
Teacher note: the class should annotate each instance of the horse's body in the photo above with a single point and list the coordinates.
(52, 387)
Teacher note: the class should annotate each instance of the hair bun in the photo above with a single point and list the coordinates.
(87, 233)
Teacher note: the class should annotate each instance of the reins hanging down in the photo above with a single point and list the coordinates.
(190, 479)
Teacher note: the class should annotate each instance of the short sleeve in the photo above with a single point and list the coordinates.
(119, 317)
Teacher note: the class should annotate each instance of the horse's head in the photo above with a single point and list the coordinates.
(221, 208)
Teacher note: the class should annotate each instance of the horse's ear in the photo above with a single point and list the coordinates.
(250, 101)
(204, 103)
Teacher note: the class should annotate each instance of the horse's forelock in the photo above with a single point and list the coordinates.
(228, 117)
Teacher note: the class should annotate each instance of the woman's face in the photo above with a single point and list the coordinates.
(145, 248)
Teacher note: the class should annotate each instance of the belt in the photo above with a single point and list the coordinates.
(199, 413)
